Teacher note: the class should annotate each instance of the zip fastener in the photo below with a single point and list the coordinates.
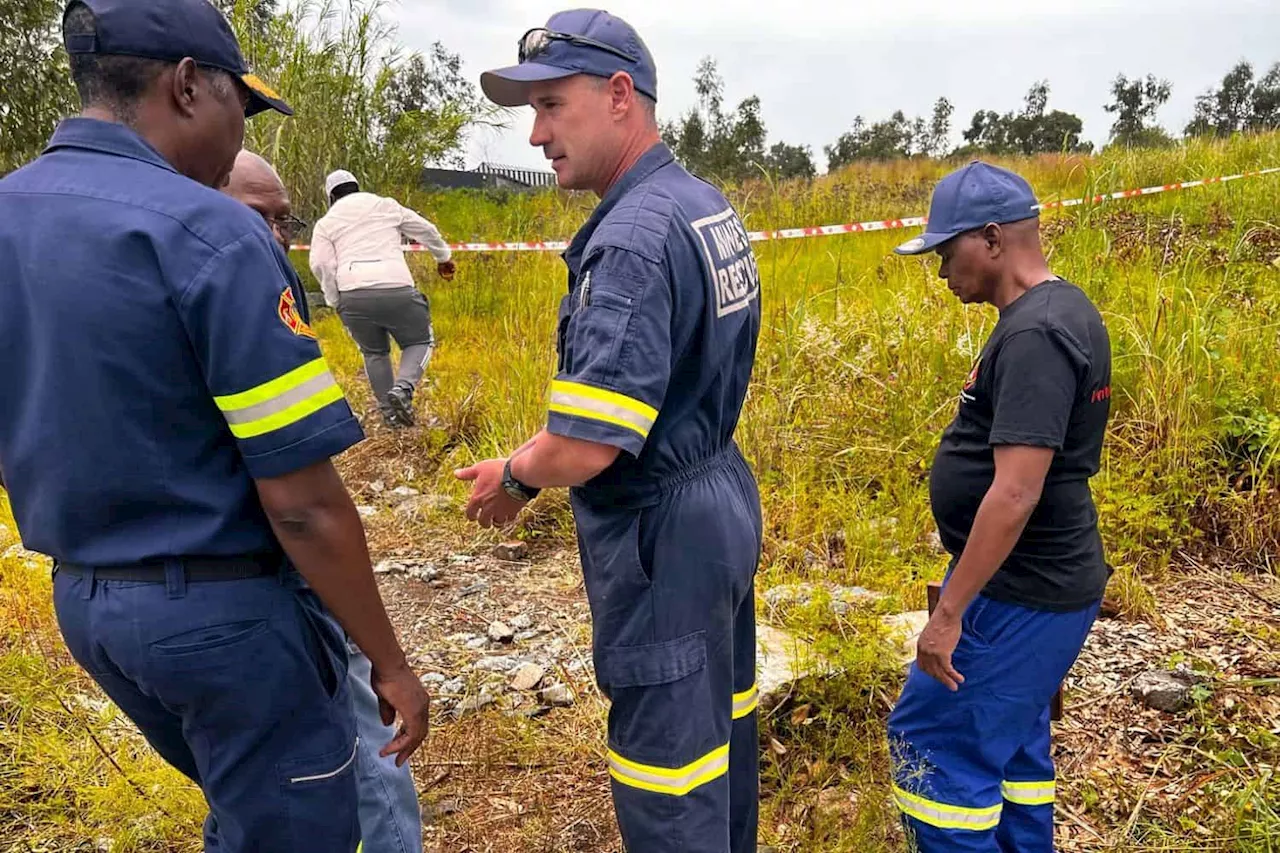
(330, 774)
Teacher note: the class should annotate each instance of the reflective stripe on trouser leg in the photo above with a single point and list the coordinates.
(1028, 790)
(744, 744)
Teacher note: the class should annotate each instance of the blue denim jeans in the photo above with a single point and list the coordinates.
(390, 818)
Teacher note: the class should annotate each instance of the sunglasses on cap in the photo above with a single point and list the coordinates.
(536, 41)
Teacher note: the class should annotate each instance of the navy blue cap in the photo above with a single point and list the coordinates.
(969, 198)
(509, 87)
(172, 30)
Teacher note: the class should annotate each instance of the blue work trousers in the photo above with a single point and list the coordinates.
(239, 684)
(972, 769)
(670, 586)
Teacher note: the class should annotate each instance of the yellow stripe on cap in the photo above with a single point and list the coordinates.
(254, 82)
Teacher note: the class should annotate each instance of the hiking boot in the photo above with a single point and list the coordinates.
(400, 402)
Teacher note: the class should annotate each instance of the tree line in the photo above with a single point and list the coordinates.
(731, 145)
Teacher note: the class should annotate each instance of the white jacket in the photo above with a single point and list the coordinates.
(357, 244)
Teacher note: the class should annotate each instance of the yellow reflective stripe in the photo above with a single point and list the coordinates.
(268, 391)
(745, 702)
(289, 416)
(1029, 793)
(946, 816)
(598, 404)
(675, 782)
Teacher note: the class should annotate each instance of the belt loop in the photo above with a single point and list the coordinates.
(175, 577)
(88, 578)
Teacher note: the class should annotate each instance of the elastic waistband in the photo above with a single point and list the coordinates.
(640, 493)
(195, 569)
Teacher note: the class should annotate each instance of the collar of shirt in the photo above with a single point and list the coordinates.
(107, 138)
(651, 161)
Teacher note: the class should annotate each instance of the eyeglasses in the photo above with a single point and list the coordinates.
(288, 226)
(537, 40)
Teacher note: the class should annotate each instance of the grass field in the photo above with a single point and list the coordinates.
(862, 355)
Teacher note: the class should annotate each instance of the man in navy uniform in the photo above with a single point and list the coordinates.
(1010, 493)
(657, 337)
(166, 429)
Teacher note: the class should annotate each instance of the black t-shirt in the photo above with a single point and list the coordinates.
(1043, 380)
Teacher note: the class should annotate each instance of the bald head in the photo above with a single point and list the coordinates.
(255, 183)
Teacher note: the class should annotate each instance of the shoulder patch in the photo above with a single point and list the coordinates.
(727, 246)
(287, 311)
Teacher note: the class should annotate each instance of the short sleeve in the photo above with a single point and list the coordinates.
(1034, 388)
(615, 352)
(262, 362)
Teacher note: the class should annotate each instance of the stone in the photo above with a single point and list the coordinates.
(403, 493)
(781, 660)
(377, 487)
(904, 630)
(843, 598)
(429, 678)
(500, 632)
(527, 677)
(425, 572)
(511, 551)
(496, 663)
(557, 696)
(1165, 691)
(461, 559)
(475, 644)
(472, 704)
(473, 589)
(453, 687)
(522, 622)
(367, 511)
(525, 636)
(388, 567)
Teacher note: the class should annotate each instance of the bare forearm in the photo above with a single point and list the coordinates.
(1000, 520)
(326, 543)
(548, 461)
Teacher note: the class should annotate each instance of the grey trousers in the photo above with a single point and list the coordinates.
(374, 316)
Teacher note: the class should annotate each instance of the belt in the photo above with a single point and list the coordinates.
(194, 569)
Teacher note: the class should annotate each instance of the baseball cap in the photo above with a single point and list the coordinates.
(579, 41)
(172, 30)
(337, 179)
(969, 198)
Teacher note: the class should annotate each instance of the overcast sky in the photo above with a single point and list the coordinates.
(816, 65)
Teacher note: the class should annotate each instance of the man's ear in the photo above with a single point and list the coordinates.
(184, 85)
(622, 93)
(993, 236)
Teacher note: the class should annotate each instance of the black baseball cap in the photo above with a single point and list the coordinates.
(172, 30)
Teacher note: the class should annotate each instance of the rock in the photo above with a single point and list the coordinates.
(842, 597)
(473, 589)
(402, 493)
(461, 559)
(1165, 691)
(527, 677)
(477, 643)
(781, 660)
(557, 696)
(497, 663)
(522, 622)
(424, 503)
(472, 704)
(367, 511)
(904, 630)
(431, 678)
(388, 567)
(447, 807)
(511, 551)
(525, 636)
(453, 687)
(425, 572)
(500, 632)
(377, 487)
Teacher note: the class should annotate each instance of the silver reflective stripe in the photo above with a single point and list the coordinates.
(279, 403)
(612, 411)
(946, 816)
(661, 780)
(297, 779)
(745, 703)
(1029, 793)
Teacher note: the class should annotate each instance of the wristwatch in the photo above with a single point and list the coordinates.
(514, 488)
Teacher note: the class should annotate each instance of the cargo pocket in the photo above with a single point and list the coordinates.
(319, 795)
(664, 737)
(326, 643)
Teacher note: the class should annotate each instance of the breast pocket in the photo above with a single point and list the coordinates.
(594, 334)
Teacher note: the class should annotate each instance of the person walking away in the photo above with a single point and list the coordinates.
(356, 255)
(390, 816)
(167, 424)
(657, 339)
(1009, 487)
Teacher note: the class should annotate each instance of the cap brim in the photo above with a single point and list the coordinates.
(925, 242)
(509, 87)
(262, 97)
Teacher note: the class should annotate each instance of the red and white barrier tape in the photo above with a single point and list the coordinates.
(853, 227)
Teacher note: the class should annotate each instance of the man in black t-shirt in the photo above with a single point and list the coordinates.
(1010, 493)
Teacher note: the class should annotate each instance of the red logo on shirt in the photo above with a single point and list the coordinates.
(1102, 394)
(287, 311)
(973, 376)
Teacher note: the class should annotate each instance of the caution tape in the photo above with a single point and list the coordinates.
(855, 227)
